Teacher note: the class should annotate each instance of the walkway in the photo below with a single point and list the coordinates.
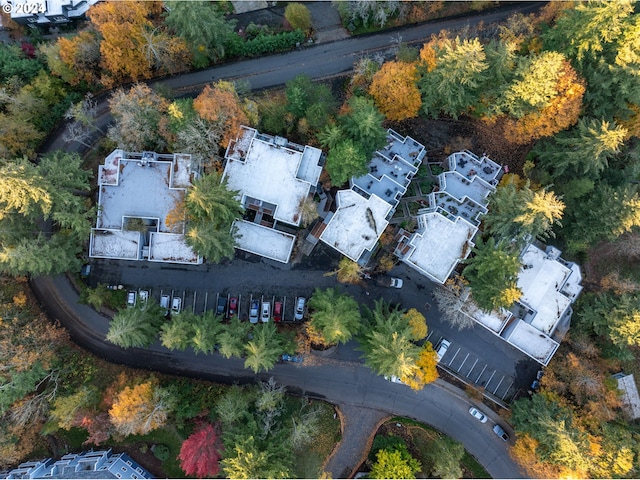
(359, 426)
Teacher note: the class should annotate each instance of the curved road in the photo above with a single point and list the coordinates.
(439, 404)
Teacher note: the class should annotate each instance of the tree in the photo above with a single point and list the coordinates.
(136, 326)
(363, 124)
(49, 197)
(200, 453)
(203, 26)
(446, 455)
(417, 324)
(492, 274)
(76, 59)
(221, 107)
(246, 460)
(140, 409)
(395, 91)
(517, 212)
(348, 271)
(617, 317)
(211, 210)
(232, 339)
(265, 349)
(387, 343)
(165, 54)
(206, 328)
(395, 464)
(233, 405)
(334, 315)
(178, 333)
(308, 209)
(347, 159)
(310, 103)
(585, 149)
(298, 16)
(137, 114)
(66, 409)
(452, 83)
(452, 304)
(122, 46)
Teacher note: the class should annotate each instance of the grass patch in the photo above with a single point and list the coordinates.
(309, 462)
(168, 436)
(472, 468)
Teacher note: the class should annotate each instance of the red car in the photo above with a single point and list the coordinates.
(277, 312)
(233, 307)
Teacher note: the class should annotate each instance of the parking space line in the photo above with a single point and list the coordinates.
(499, 383)
(490, 378)
(483, 369)
(474, 366)
(195, 296)
(429, 336)
(463, 362)
(454, 357)
(206, 298)
(506, 391)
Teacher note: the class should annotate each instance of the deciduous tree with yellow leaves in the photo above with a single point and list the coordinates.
(140, 409)
(395, 91)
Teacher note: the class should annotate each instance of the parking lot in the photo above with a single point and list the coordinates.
(473, 369)
(200, 301)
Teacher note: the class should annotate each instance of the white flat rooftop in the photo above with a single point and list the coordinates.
(540, 280)
(529, 340)
(494, 321)
(459, 187)
(141, 192)
(264, 241)
(440, 244)
(272, 173)
(170, 247)
(118, 243)
(357, 223)
(630, 397)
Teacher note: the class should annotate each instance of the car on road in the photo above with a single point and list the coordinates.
(441, 349)
(299, 313)
(291, 358)
(392, 282)
(499, 431)
(254, 311)
(233, 307)
(481, 417)
(277, 312)
(131, 299)
(394, 379)
(221, 308)
(266, 312)
(176, 305)
(164, 303)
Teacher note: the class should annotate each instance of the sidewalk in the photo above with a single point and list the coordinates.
(359, 426)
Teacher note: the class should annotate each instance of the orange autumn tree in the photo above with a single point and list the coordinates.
(81, 57)
(140, 409)
(220, 105)
(561, 113)
(395, 91)
(122, 26)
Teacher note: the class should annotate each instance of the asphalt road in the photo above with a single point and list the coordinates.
(340, 379)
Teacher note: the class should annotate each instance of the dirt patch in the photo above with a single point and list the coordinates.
(444, 136)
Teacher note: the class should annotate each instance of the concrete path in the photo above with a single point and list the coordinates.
(359, 426)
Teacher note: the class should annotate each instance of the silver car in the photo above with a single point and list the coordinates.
(299, 313)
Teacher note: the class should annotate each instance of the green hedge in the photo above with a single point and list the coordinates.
(265, 44)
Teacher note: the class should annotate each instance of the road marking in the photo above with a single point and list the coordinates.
(474, 366)
(463, 362)
(507, 391)
(454, 357)
(194, 301)
(490, 378)
(429, 336)
(499, 383)
(483, 369)
(206, 298)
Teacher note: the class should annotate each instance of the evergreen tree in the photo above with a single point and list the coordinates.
(136, 326)
(334, 315)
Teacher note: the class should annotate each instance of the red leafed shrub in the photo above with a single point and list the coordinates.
(200, 453)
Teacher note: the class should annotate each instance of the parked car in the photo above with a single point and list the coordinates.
(392, 282)
(299, 313)
(482, 418)
(254, 311)
(394, 379)
(233, 307)
(144, 295)
(277, 312)
(85, 270)
(131, 299)
(164, 303)
(176, 305)
(442, 348)
(221, 308)
(266, 312)
(498, 430)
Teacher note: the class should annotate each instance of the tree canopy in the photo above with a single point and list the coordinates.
(336, 316)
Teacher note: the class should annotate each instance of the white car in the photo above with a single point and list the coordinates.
(396, 282)
(441, 349)
(176, 305)
(299, 312)
(131, 299)
(482, 418)
(394, 379)
(144, 296)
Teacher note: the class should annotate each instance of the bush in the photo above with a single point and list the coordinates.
(161, 452)
(272, 43)
(298, 16)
